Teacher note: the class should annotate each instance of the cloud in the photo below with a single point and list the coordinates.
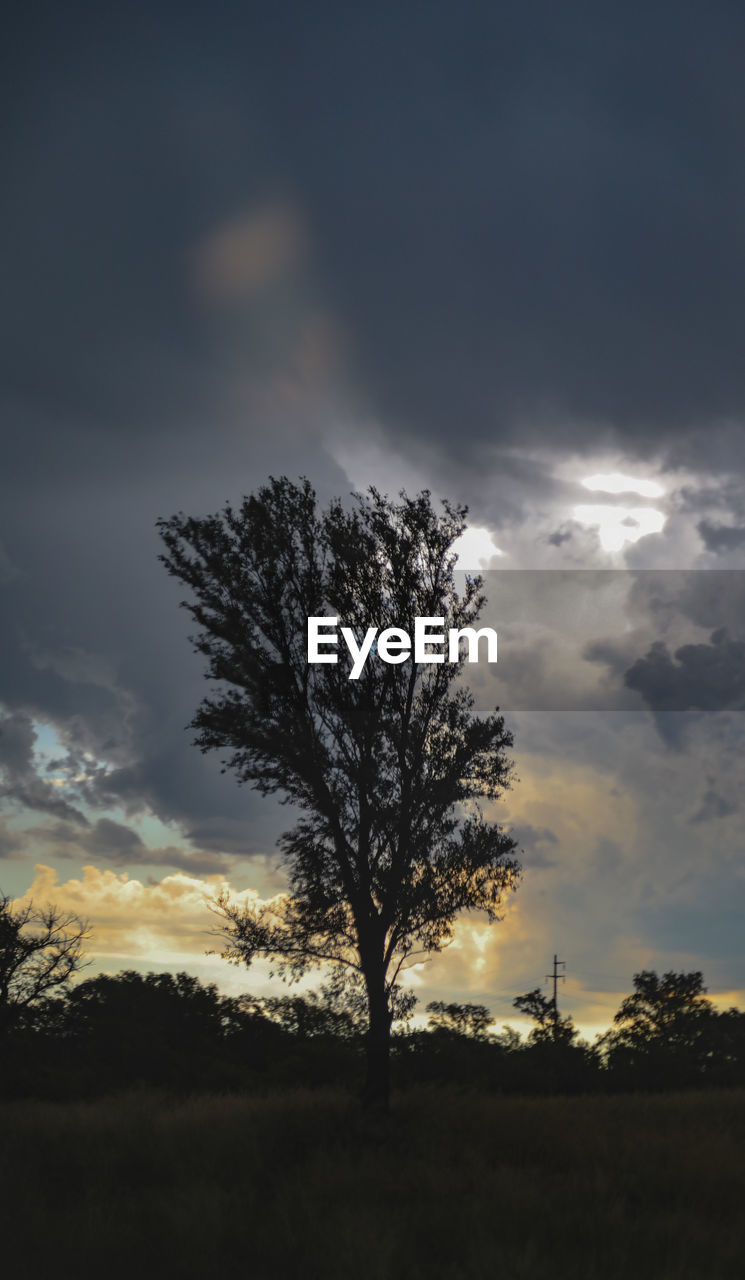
(559, 536)
(720, 537)
(13, 843)
(145, 926)
(137, 920)
(713, 806)
(548, 254)
(705, 677)
(559, 262)
(19, 782)
(17, 738)
(533, 842)
(113, 842)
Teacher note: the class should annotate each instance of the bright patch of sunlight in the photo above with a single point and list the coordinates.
(618, 482)
(618, 525)
(475, 549)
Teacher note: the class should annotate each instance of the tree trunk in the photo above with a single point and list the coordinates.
(376, 1092)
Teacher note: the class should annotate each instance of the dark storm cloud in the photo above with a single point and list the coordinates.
(17, 745)
(703, 677)
(526, 218)
(115, 843)
(122, 398)
(594, 638)
(530, 215)
(657, 652)
(564, 534)
(111, 599)
(523, 222)
(534, 845)
(675, 601)
(720, 537)
(20, 784)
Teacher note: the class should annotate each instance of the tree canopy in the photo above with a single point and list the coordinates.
(388, 771)
(666, 1029)
(550, 1027)
(41, 948)
(459, 1019)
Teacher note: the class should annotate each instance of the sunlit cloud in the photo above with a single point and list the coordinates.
(139, 924)
(618, 482)
(475, 548)
(617, 526)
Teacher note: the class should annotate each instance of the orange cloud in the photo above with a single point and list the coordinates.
(141, 926)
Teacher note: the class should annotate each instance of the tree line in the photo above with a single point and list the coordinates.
(113, 1032)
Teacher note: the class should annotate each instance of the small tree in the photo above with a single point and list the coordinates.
(41, 948)
(471, 1020)
(549, 1027)
(387, 769)
(663, 1031)
(669, 1010)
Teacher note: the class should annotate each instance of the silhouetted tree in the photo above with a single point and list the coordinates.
(668, 1009)
(722, 1047)
(161, 1028)
(662, 1032)
(554, 1059)
(344, 992)
(387, 769)
(508, 1039)
(310, 1016)
(41, 948)
(459, 1019)
(550, 1027)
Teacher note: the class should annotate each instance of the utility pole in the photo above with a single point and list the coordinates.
(556, 977)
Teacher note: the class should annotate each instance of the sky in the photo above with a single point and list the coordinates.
(494, 251)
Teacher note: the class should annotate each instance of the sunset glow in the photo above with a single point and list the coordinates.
(617, 526)
(617, 482)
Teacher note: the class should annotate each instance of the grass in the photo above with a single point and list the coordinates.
(302, 1185)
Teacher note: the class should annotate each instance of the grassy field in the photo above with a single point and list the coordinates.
(301, 1185)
